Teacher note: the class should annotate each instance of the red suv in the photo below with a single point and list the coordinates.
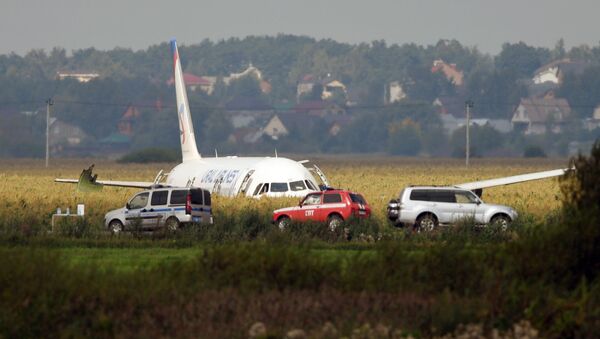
(331, 206)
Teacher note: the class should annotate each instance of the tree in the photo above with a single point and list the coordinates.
(521, 58)
(404, 138)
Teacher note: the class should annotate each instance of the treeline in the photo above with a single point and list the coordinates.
(494, 83)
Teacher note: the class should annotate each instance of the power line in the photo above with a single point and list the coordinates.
(248, 108)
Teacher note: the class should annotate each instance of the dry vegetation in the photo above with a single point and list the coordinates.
(30, 196)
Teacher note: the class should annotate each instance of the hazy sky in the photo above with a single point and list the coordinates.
(137, 24)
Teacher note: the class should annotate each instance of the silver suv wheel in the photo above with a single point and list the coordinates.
(426, 223)
(501, 220)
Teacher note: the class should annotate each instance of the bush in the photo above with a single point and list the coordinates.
(151, 155)
(534, 152)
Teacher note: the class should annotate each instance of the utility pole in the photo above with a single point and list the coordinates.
(49, 103)
(468, 106)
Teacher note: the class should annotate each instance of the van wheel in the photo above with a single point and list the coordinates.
(115, 226)
(172, 224)
(426, 223)
(283, 222)
(334, 221)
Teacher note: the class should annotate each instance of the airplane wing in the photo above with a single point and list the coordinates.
(88, 183)
(134, 184)
(478, 185)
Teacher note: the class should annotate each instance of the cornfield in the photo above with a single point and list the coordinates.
(30, 195)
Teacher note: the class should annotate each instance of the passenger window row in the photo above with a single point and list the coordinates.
(280, 187)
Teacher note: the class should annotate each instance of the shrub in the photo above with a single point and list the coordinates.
(151, 155)
(534, 152)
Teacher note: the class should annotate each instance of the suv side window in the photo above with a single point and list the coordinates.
(178, 197)
(159, 198)
(419, 195)
(442, 196)
(332, 198)
(463, 197)
(312, 199)
(139, 201)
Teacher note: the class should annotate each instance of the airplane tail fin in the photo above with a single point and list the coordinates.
(189, 151)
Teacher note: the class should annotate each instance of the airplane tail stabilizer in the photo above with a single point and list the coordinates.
(189, 151)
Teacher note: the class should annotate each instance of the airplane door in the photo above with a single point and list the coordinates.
(246, 183)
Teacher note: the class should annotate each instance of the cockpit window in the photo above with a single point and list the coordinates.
(257, 189)
(297, 185)
(310, 185)
(279, 187)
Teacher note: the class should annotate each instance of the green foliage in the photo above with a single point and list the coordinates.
(521, 58)
(150, 155)
(533, 151)
(482, 139)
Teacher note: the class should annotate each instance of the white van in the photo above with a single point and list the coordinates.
(169, 207)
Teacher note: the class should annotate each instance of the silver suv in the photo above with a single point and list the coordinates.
(426, 207)
(168, 207)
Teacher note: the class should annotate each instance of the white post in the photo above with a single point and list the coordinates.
(469, 105)
(48, 104)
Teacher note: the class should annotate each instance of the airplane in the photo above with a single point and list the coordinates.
(225, 176)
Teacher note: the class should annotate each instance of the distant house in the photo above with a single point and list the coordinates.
(540, 115)
(593, 122)
(452, 73)
(128, 120)
(207, 83)
(305, 86)
(331, 87)
(452, 113)
(194, 82)
(395, 92)
(275, 128)
(79, 76)
(283, 124)
(63, 135)
(555, 71)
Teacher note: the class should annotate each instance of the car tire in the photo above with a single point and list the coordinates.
(501, 220)
(426, 223)
(172, 224)
(283, 222)
(334, 221)
(115, 226)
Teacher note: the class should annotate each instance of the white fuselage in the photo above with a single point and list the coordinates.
(231, 176)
